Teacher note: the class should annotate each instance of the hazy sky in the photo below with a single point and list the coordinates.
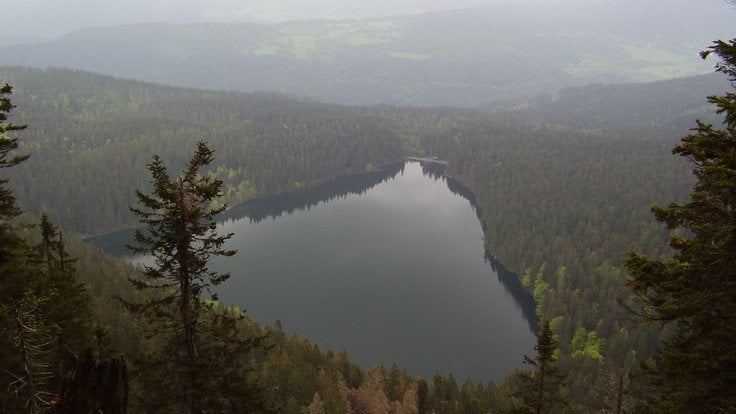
(54, 17)
(46, 18)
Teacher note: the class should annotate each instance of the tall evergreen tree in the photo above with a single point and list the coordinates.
(199, 354)
(695, 289)
(48, 315)
(540, 389)
(8, 145)
(11, 246)
(18, 382)
(44, 311)
(68, 303)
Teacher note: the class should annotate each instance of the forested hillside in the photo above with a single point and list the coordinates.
(660, 109)
(61, 303)
(559, 210)
(561, 205)
(97, 132)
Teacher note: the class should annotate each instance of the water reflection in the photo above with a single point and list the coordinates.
(508, 279)
(341, 187)
(270, 207)
(115, 243)
(389, 266)
(512, 284)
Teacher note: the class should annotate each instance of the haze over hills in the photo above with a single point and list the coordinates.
(464, 57)
(665, 108)
(45, 19)
(561, 160)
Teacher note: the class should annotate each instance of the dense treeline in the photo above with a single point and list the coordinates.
(87, 129)
(57, 300)
(44, 310)
(560, 207)
(657, 109)
(693, 290)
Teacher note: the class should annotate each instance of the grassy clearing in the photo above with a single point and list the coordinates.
(589, 65)
(656, 62)
(410, 55)
(305, 41)
(298, 45)
(640, 61)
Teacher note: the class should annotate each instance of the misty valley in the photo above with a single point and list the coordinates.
(356, 207)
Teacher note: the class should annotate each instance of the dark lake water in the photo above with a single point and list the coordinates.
(388, 266)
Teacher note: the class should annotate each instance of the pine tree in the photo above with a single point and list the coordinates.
(12, 247)
(35, 346)
(44, 310)
(67, 302)
(51, 248)
(199, 358)
(19, 378)
(8, 146)
(695, 289)
(48, 316)
(540, 389)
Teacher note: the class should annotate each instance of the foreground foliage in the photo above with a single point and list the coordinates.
(696, 288)
(45, 311)
(541, 390)
(190, 367)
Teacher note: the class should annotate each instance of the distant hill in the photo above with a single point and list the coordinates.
(667, 107)
(85, 128)
(466, 57)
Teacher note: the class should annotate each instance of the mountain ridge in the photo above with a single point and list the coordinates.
(463, 57)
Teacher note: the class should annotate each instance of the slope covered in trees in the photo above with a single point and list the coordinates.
(662, 109)
(89, 131)
(560, 207)
(51, 307)
(559, 210)
(695, 288)
(45, 311)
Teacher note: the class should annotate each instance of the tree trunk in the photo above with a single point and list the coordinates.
(89, 386)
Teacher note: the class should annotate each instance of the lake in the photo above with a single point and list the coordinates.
(388, 266)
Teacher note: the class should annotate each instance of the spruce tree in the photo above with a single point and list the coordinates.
(199, 354)
(8, 158)
(695, 289)
(11, 246)
(19, 376)
(540, 390)
(68, 302)
(43, 310)
(48, 315)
